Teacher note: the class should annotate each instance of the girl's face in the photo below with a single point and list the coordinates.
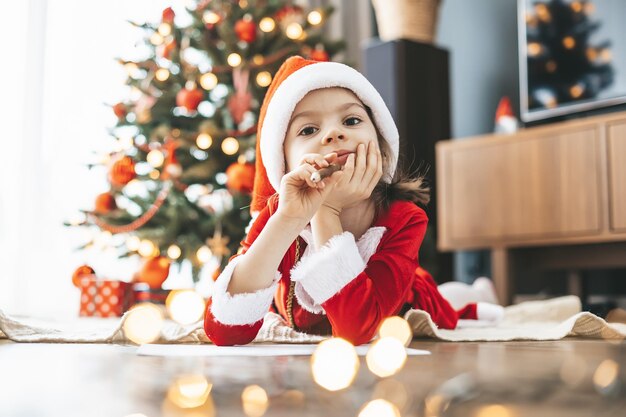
(324, 121)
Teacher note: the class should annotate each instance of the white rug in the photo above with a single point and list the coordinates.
(534, 320)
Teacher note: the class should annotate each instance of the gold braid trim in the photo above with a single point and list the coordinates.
(292, 287)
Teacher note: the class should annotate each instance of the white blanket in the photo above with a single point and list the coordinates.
(534, 320)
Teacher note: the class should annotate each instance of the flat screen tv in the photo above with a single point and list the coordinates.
(572, 56)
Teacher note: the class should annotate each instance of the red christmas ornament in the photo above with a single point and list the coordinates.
(168, 15)
(120, 110)
(246, 29)
(81, 272)
(294, 12)
(105, 203)
(319, 54)
(240, 177)
(154, 271)
(122, 171)
(189, 99)
(171, 168)
(166, 50)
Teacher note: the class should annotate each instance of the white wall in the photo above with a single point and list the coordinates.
(58, 71)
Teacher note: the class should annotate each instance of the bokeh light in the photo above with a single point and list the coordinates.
(185, 306)
(398, 328)
(334, 364)
(254, 400)
(386, 356)
(143, 323)
(379, 408)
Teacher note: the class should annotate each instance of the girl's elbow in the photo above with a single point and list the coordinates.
(225, 335)
(357, 335)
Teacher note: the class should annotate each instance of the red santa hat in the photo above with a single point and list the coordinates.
(294, 79)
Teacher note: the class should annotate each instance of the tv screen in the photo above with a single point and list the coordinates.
(572, 56)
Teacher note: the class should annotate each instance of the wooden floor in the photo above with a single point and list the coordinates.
(564, 378)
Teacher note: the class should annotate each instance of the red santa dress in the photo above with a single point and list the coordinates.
(346, 288)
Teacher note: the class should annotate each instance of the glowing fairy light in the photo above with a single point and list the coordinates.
(534, 49)
(189, 391)
(165, 29)
(577, 90)
(386, 356)
(542, 12)
(334, 364)
(146, 248)
(174, 252)
(494, 410)
(230, 146)
(208, 81)
(210, 17)
(393, 391)
(267, 24)
(234, 59)
(254, 400)
(294, 30)
(398, 328)
(605, 376)
(162, 74)
(314, 18)
(185, 306)
(263, 78)
(156, 39)
(204, 254)
(155, 158)
(379, 408)
(204, 141)
(143, 323)
(569, 42)
(133, 243)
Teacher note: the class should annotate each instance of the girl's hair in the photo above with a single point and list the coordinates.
(404, 185)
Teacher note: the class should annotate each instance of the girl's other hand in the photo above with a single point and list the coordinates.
(361, 174)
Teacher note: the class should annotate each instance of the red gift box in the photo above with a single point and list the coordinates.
(104, 298)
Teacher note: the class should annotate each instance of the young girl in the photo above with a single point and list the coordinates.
(340, 255)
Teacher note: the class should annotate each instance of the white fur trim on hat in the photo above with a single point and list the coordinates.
(293, 89)
(240, 309)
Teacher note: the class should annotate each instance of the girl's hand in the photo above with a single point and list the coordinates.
(300, 198)
(361, 174)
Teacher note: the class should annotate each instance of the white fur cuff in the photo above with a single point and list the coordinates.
(489, 312)
(240, 309)
(325, 272)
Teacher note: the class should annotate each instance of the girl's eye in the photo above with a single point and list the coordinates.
(353, 118)
(303, 131)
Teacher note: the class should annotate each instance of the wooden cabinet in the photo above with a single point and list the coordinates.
(561, 184)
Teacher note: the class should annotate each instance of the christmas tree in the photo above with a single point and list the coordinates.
(182, 169)
(562, 64)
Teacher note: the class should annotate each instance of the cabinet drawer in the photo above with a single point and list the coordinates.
(542, 186)
(617, 175)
